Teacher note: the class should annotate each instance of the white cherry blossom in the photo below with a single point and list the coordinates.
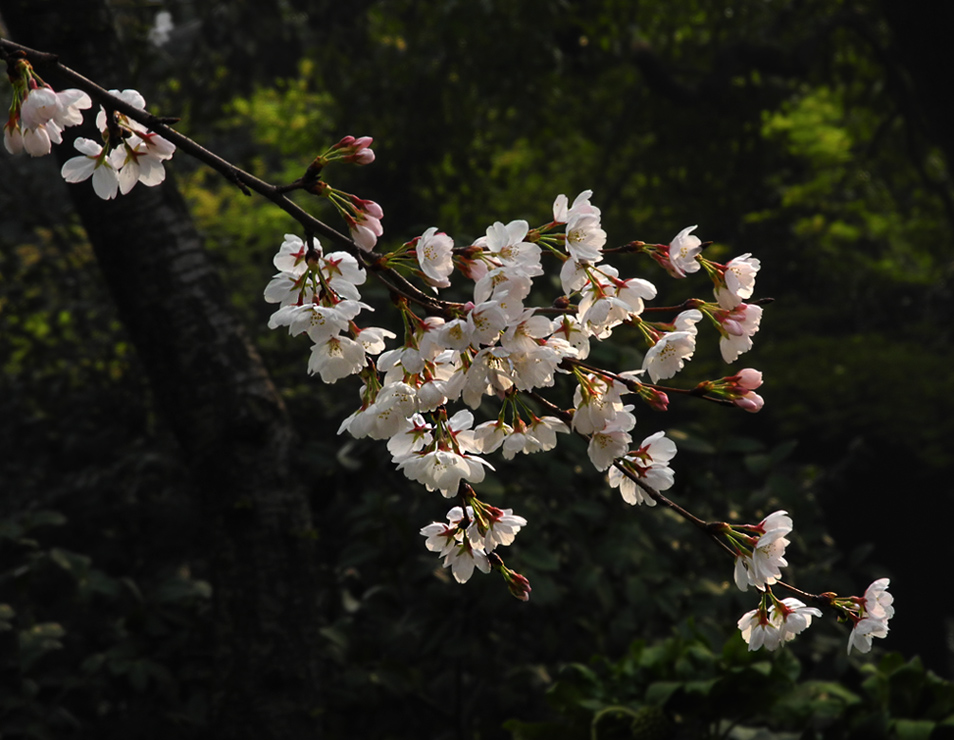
(443, 470)
(683, 250)
(668, 356)
(762, 567)
(760, 630)
(101, 166)
(435, 256)
(581, 205)
(739, 281)
(336, 357)
(463, 559)
(502, 527)
(585, 237)
(741, 324)
(793, 617)
(612, 441)
(877, 608)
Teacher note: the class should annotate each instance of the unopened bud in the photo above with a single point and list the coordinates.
(749, 378)
(751, 402)
(517, 584)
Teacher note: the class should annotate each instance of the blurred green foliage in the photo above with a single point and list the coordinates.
(681, 687)
(87, 652)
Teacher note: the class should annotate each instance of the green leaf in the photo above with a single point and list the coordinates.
(71, 562)
(37, 641)
(520, 730)
(913, 729)
(703, 688)
(182, 589)
(45, 519)
(658, 692)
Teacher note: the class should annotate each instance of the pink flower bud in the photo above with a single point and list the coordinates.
(365, 156)
(368, 206)
(749, 378)
(345, 142)
(750, 402)
(518, 585)
(371, 223)
(655, 399)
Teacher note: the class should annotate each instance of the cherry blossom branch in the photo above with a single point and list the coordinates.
(491, 345)
(245, 181)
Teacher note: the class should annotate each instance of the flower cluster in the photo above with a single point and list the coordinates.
(470, 536)
(129, 154)
(759, 560)
(318, 296)
(650, 465)
(38, 114)
(496, 345)
(869, 614)
(760, 556)
(493, 345)
(775, 622)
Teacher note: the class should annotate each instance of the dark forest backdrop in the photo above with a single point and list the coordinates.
(188, 550)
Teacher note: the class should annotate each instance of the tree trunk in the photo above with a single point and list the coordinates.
(210, 384)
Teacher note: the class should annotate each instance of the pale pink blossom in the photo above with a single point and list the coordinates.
(793, 617)
(502, 526)
(739, 281)
(101, 166)
(759, 630)
(740, 324)
(336, 357)
(683, 250)
(42, 116)
(612, 441)
(762, 566)
(876, 608)
(435, 256)
(668, 356)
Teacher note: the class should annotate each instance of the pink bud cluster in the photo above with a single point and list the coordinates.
(353, 150)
